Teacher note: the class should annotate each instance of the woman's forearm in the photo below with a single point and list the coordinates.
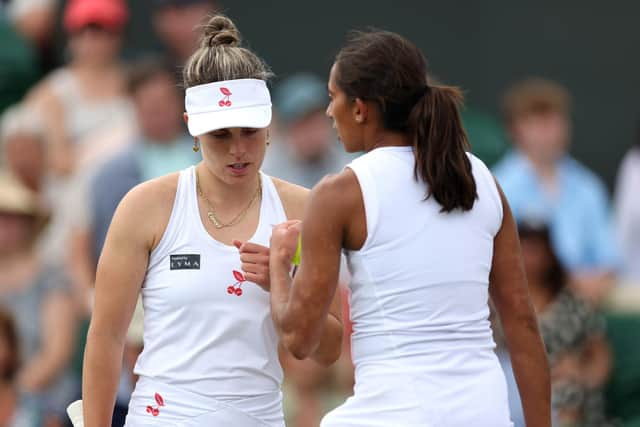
(279, 293)
(282, 312)
(299, 325)
(100, 377)
(330, 346)
(304, 309)
(530, 368)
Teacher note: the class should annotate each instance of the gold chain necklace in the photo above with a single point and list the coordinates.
(211, 213)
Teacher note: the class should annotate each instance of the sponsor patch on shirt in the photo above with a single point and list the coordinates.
(184, 262)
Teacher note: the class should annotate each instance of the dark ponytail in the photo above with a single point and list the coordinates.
(440, 144)
(386, 68)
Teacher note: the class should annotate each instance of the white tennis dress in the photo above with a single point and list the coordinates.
(210, 347)
(422, 343)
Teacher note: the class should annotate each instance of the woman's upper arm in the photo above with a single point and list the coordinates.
(323, 231)
(294, 198)
(123, 264)
(508, 285)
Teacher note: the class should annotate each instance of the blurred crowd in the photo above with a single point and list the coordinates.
(75, 138)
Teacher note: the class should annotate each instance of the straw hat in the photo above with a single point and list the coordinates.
(16, 198)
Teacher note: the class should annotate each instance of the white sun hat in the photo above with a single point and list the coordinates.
(231, 103)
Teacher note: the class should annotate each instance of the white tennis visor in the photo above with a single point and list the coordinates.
(242, 103)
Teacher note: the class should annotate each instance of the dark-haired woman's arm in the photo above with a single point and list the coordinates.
(301, 306)
(510, 295)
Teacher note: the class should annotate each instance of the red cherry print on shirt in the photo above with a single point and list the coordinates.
(159, 399)
(227, 103)
(221, 103)
(236, 288)
(156, 411)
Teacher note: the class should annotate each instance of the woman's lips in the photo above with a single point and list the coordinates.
(239, 168)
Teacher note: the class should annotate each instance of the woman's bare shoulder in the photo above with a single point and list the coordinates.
(145, 210)
(159, 192)
(294, 197)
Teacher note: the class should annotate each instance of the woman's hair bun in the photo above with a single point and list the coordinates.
(220, 31)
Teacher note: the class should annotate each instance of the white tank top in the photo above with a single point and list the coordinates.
(200, 334)
(420, 281)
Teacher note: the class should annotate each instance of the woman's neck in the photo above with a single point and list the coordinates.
(548, 173)
(94, 68)
(388, 139)
(224, 195)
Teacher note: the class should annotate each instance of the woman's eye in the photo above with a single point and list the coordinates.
(249, 131)
(220, 135)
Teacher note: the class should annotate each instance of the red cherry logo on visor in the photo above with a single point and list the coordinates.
(225, 101)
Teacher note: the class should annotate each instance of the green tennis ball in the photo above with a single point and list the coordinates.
(296, 257)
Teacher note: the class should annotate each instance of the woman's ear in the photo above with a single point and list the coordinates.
(360, 111)
(185, 117)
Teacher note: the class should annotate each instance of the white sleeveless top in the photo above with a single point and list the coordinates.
(420, 281)
(422, 342)
(207, 331)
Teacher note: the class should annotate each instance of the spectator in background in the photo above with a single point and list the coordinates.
(36, 21)
(308, 150)
(22, 138)
(87, 95)
(541, 180)
(176, 22)
(85, 113)
(627, 209)
(9, 365)
(37, 297)
(19, 67)
(574, 337)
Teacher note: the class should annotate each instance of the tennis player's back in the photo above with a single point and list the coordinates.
(422, 342)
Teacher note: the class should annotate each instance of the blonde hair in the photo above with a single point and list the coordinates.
(535, 95)
(220, 56)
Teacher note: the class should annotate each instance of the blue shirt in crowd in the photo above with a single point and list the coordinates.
(578, 213)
